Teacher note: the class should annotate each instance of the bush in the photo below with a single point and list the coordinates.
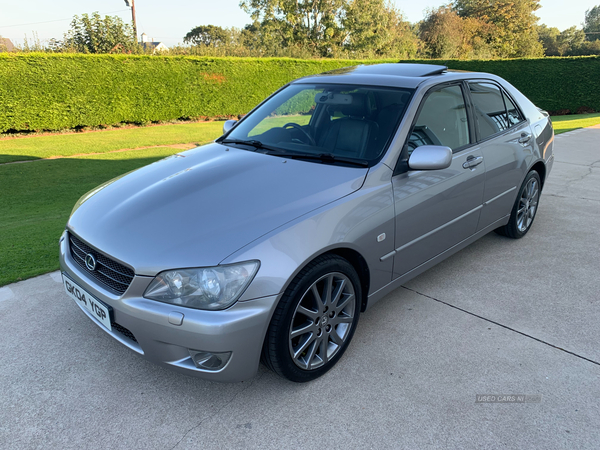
(59, 91)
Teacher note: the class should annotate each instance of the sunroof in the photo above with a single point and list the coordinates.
(402, 69)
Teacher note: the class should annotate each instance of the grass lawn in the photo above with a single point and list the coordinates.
(36, 198)
(279, 121)
(562, 124)
(35, 147)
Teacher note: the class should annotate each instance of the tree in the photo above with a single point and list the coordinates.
(93, 34)
(209, 35)
(447, 35)
(569, 42)
(591, 25)
(312, 23)
(590, 48)
(374, 26)
(549, 38)
(514, 22)
(329, 27)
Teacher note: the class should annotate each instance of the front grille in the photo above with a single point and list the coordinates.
(124, 331)
(110, 274)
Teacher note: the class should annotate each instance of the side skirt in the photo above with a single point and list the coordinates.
(395, 284)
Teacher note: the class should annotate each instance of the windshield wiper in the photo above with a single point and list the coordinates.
(323, 157)
(251, 142)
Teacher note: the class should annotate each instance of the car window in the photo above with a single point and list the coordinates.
(489, 109)
(297, 110)
(349, 122)
(442, 120)
(514, 115)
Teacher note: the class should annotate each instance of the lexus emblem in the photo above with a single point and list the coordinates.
(90, 262)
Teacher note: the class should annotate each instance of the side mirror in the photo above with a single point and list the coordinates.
(228, 125)
(430, 157)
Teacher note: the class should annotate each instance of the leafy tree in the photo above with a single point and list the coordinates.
(93, 34)
(312, 23)
(209, 35)
(591, 25)
(447, 35)
(376, 27)
(549, 38)
(590, 48)
(570, 41)
(329, 27)
(515, 33)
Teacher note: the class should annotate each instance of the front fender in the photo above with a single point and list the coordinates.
(353, 222)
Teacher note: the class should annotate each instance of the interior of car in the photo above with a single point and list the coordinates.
(352, 123)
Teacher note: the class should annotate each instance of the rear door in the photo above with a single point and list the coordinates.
(506, 143)
(437, 209)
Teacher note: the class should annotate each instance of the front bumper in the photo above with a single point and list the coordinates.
(239, 329)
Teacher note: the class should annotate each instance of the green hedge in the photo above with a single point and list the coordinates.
(553, 84)
(57, 91)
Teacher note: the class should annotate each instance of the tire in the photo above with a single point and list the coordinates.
(310, 330)
(524, 209)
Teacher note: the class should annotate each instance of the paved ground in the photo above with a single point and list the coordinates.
(500, 317)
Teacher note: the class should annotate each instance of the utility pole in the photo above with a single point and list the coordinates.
(131, 4)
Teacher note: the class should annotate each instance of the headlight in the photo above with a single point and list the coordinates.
(210, 288)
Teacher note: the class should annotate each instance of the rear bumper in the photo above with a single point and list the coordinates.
(240, 329)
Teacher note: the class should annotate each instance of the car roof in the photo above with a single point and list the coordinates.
(401, 69)
(390, 74)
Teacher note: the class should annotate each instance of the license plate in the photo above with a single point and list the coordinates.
(95, 307)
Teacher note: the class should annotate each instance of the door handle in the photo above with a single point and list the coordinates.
(472, 161)
(525, 137)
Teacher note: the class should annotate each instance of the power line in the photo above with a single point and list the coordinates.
(57, 20)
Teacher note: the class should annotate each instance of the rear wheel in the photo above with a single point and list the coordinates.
(524, 209)
(314, 321)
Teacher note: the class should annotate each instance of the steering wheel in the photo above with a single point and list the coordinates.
(298, 127)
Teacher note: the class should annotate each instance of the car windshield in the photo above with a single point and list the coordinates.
(325, 122)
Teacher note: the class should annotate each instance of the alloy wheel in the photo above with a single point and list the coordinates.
(527, 205)
(322, 321)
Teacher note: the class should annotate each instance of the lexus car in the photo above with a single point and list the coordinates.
(268, 243)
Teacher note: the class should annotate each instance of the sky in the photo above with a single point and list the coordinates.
(169, 21)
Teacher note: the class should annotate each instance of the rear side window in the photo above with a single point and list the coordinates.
(514, 115)
(488, 108)
(442, 120)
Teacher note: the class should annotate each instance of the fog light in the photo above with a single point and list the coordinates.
(208, 360)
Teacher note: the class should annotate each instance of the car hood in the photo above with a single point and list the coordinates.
(196, 208)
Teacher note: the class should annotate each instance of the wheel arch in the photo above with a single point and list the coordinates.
(540, 168)
(351, 255)
(360, 265)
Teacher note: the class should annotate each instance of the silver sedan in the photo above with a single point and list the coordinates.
(268, 243)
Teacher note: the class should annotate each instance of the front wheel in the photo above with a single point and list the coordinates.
(314, 321)
(524, 209)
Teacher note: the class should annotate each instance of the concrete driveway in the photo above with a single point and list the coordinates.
(501, 317)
